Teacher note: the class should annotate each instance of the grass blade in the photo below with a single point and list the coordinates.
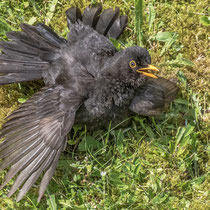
(51, 202)
(151, 15)
(51, 11)
(139, 21)
(169, 44)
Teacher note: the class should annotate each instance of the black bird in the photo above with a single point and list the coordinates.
(87, 81)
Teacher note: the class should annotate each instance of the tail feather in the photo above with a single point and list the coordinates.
(106, 20)
(73, 14)
(25, 58)
(91, 15)
(118, 27)
(108, 23)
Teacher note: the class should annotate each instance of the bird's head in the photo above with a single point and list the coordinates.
(132, 61)
(137, 59)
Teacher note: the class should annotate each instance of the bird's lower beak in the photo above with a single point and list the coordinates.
(149, 67)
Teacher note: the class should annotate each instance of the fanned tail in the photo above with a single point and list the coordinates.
(109, 22)
(23, 58)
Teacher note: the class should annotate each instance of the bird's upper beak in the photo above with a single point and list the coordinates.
(149, 67)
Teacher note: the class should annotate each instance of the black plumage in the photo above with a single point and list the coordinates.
(87, 82)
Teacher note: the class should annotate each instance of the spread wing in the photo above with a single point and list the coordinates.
(151, 98)
(34, 137)
(25, 58)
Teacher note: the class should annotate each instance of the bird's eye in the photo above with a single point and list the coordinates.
(132, 64)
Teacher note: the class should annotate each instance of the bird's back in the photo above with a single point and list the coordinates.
(88, 39)
(88, 48)
(39, 53)
(82, 58)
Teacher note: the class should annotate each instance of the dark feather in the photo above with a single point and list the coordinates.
(19, 154)
(48, 175)
(18, 77)
(91, 15)
(107, 18)
(21, 164)
(50, 35)
(36, 143)
(29, 54)
(108, 23)
(36, 34)
(117, 27)
(73, 14)
(29, 170)
(153, 96)
(30, 181)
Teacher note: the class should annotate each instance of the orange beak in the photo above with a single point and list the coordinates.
(149, 67)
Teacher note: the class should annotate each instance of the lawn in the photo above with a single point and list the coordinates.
(154, 163)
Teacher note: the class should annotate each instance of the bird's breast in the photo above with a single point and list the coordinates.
(106, 94)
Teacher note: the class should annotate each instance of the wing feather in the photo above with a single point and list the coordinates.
(35, 135)
(154, 96)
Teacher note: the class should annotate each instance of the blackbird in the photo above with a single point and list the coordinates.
(87, 81)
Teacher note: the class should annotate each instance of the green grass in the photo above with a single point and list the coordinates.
(155, 163)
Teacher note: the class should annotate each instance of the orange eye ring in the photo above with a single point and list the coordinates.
(132, 64)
